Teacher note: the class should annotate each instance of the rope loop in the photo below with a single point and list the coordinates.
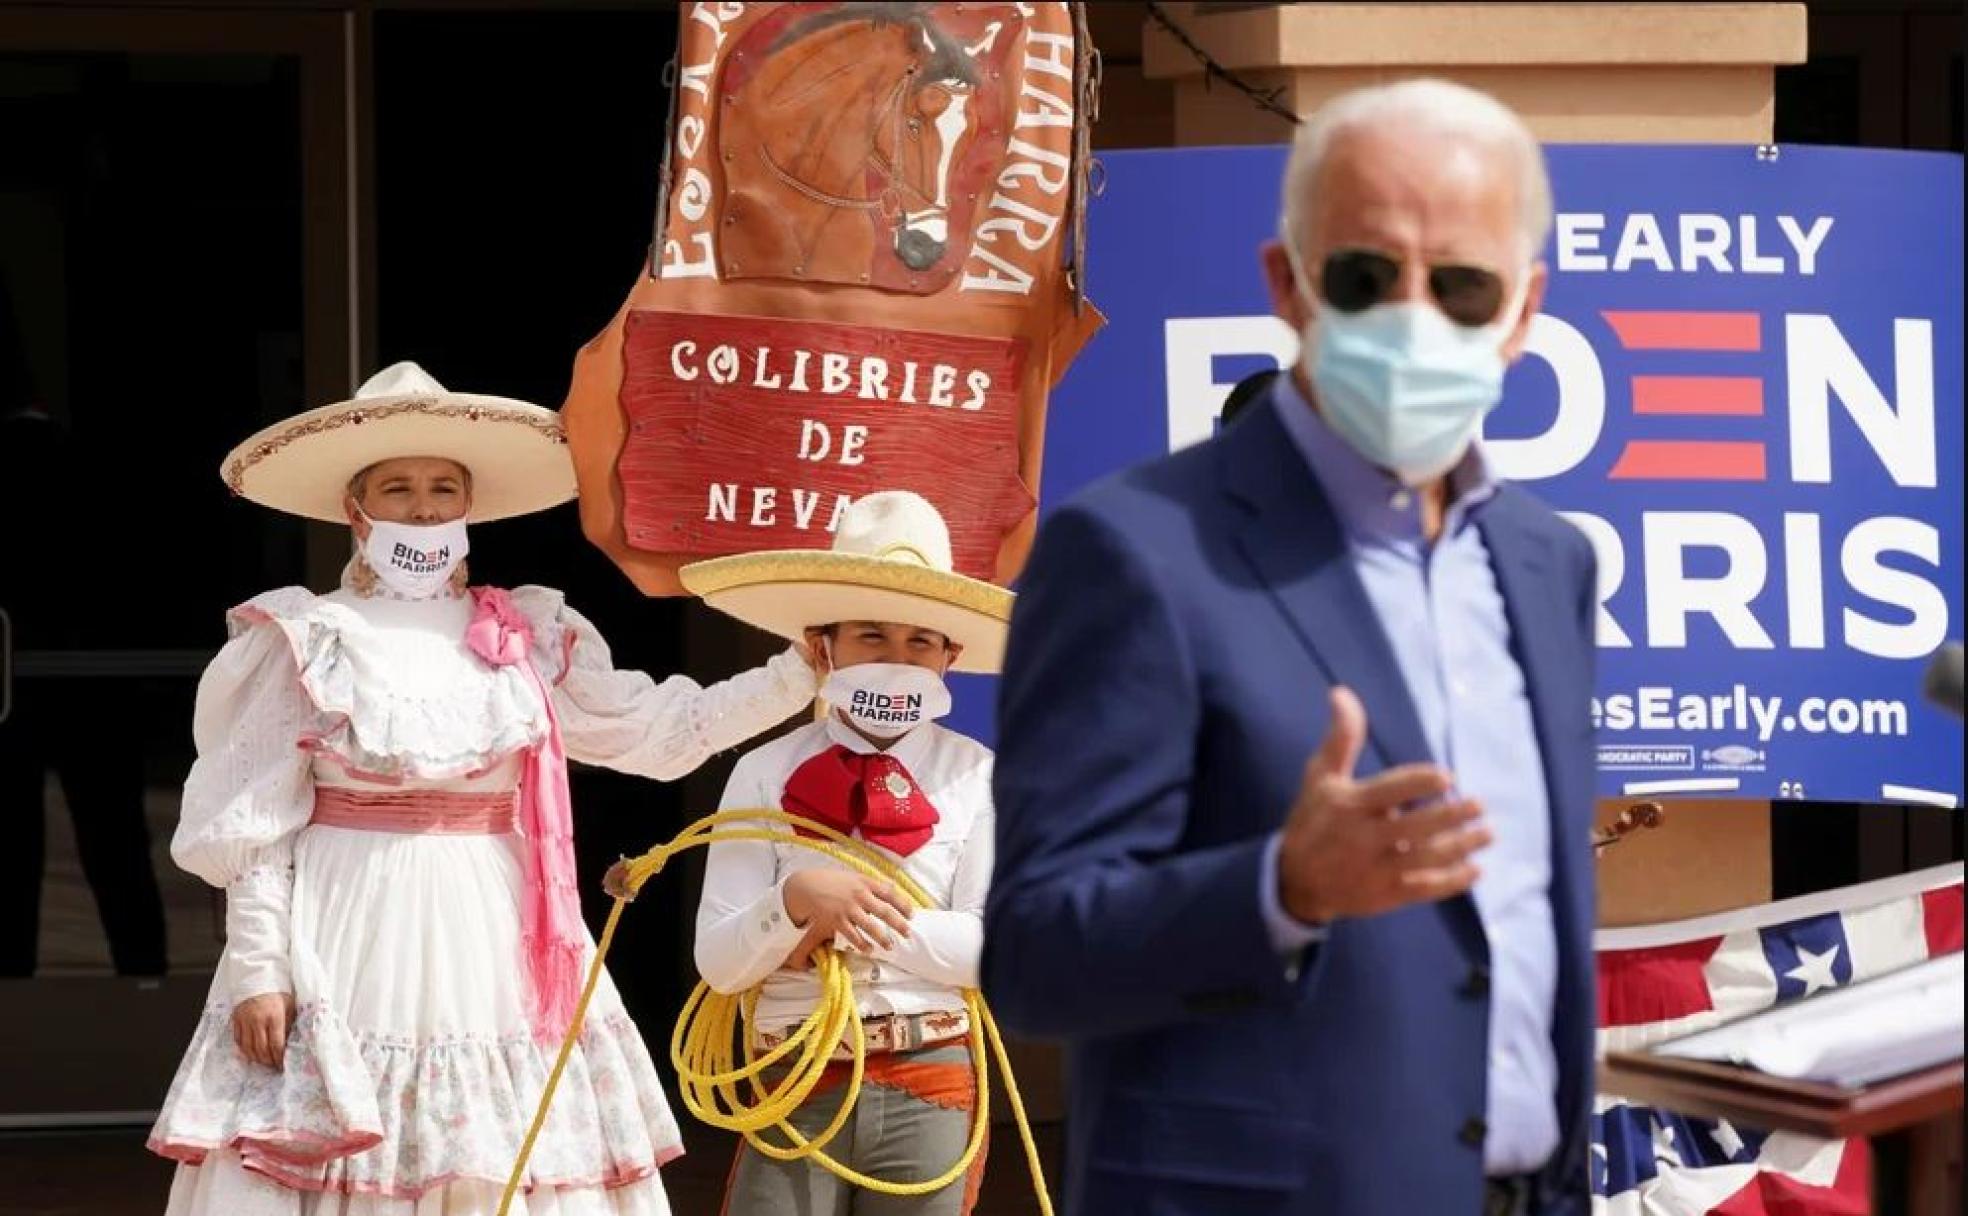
(714, 1082)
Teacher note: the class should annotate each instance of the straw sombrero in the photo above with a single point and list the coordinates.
(516, 453)
(890, 562)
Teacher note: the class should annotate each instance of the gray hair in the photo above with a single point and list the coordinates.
(1437, 106)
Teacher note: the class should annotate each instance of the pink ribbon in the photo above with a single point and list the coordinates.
(552, 933)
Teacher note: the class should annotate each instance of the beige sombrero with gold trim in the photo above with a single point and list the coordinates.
(516, 452)
(890, 562)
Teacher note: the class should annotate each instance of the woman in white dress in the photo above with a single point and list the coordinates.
(381, 790)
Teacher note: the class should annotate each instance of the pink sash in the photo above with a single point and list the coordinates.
(415, 812)
(552, 933)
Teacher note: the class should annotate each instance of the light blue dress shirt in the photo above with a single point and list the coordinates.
(1444, 615)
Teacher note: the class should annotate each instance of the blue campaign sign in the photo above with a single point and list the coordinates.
(1744, 387)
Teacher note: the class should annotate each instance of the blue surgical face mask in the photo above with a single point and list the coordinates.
(1402, 384)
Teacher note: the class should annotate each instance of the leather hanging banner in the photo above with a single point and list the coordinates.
(867, 275)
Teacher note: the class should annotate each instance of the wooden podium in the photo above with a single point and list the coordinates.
(1743, 1095)
(1923, 1107)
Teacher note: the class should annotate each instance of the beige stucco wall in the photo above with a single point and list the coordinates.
(1683, 73)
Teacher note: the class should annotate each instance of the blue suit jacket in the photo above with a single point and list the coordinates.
(1178, 629)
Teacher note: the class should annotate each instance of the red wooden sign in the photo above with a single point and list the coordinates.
(749, 433)
(858, 282)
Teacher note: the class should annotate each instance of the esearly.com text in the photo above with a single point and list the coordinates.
(1661, 708)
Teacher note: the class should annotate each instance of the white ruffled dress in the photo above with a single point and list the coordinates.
(411, 1071)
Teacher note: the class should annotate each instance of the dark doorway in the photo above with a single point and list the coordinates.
(162, 245)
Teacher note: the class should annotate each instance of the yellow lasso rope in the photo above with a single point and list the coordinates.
(701, 1045)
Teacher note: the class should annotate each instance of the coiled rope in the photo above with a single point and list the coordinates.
(701, 1046)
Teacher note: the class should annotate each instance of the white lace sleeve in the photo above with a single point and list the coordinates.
(625, 720)
(248, 793)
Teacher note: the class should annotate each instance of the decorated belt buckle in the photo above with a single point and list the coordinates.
(945, 1025)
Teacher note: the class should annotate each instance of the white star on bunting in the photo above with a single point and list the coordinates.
(1664, 1149)
(1727, 1139)
(1814, 970)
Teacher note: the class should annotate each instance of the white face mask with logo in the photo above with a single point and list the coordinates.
(414, 561)
(887, 700)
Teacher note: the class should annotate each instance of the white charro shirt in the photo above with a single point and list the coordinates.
(744, 933)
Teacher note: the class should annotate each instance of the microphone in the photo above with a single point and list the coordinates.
(1943, 682)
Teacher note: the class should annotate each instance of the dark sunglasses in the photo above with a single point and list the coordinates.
(1355, 279)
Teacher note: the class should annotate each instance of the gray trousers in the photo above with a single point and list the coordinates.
(892, 1134)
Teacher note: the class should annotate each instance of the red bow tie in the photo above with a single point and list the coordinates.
(872, 794)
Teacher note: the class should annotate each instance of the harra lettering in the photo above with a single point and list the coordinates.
(1022, 218)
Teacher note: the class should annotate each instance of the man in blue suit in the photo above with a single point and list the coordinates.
(1295, 767)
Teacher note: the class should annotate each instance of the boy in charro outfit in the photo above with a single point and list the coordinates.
(891, 618)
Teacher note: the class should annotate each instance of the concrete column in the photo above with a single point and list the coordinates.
(1599, 73)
